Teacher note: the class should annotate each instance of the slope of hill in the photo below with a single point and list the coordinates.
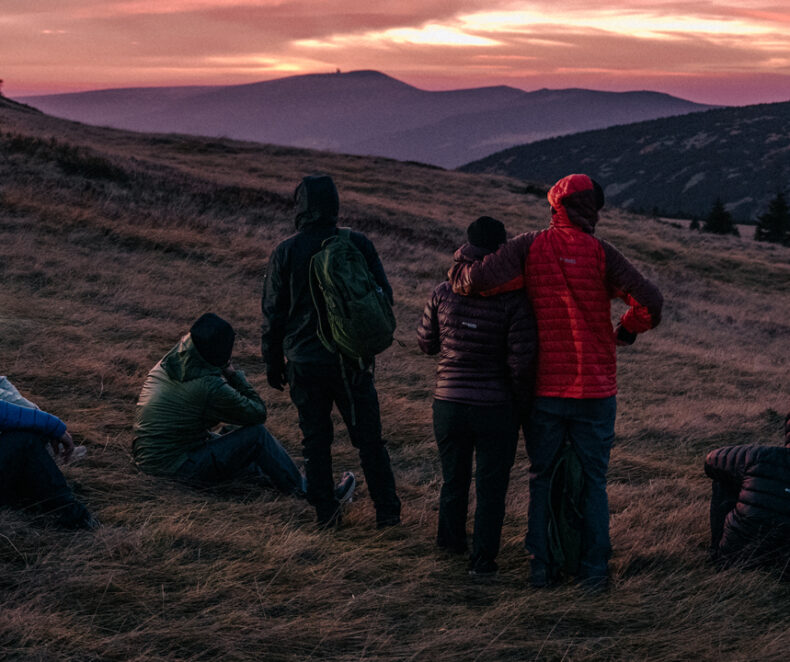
(364, 112)
(111, 243)
(676, 166)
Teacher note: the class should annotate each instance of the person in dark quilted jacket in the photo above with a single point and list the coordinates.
(487, 350)
(570, 276)
(750, 506)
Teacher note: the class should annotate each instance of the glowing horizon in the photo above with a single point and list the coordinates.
(702, 50)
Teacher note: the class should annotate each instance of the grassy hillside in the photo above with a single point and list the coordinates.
(112, 243)
(676, 166)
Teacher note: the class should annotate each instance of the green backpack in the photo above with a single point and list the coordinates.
(355, 317)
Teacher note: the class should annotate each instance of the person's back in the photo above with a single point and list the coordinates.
(290, 319)
(571, 276)
(484, 381)
(318, 378)
(487, 346)
(750, 507)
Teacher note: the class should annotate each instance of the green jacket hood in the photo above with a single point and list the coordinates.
(184, 363)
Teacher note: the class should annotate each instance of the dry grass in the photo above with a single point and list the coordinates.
(111, 243)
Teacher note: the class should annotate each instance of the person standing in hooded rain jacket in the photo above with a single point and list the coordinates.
(313, 373)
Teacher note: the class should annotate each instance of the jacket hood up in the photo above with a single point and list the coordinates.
(184, 363)
(575, 201)
(316, 201)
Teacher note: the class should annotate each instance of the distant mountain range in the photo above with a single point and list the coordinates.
(365, 112)
(676, 166)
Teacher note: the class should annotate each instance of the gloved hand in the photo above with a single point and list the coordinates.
(623, 336)
(276, 375)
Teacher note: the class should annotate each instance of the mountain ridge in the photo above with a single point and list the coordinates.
(363, 112)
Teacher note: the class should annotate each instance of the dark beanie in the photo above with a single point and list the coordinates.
(599, 199)
(486, 232)
(213, 338)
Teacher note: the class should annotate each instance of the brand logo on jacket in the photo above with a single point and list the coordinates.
(469, 325)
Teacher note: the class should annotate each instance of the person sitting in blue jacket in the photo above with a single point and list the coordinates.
(28, 473)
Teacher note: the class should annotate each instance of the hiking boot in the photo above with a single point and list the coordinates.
(539, 575)
(332, 521)
(344, 490)
(385, 522)
(75, 516)
(483, 569)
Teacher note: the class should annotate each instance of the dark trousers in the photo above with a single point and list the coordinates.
(314, 390)
(30, 477)
(589, 425)
(249, 452)
(491, 435)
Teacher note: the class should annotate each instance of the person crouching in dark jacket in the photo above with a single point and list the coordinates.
(195, 388)
(750, 506)
(487, 349)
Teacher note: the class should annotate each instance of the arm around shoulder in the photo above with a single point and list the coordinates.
(499, 271)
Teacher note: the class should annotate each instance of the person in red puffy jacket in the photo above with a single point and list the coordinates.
(570, 277)
(750, 504)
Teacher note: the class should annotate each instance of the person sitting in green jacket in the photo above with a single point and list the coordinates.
(195, 388)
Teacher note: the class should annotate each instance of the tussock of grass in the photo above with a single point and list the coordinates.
(105, 261)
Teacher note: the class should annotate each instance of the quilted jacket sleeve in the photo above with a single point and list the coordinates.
(428, 336)
(643, 297)
(497, 272)
(728, 464)
(13, 417)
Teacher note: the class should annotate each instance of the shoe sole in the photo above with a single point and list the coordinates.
(348, 497)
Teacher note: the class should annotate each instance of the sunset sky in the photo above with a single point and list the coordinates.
(715, 51)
